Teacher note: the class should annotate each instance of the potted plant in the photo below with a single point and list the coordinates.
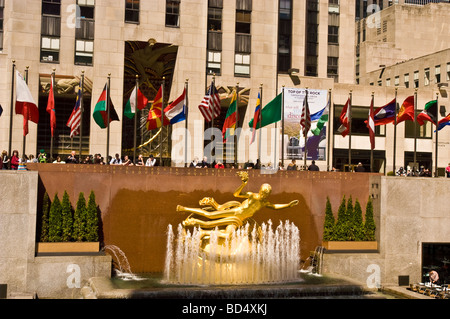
(350, 232)
(69, 231)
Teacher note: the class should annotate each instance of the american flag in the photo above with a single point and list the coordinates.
(75, 117)
(305, 121)
(210, 104)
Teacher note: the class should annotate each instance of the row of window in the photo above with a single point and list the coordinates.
(242, 47)
(416, 79)
(51, 31)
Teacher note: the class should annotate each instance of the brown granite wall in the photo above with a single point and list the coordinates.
(138, 203)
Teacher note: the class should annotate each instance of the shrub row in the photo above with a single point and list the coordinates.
(349, 225)
(61, 223)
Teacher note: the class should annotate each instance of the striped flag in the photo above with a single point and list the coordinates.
(210, 105)
(75, 118)
(256, 117)
(371, 126)
(305, 121)
(344, 129)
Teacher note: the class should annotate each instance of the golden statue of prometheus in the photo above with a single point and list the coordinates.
(230, 215)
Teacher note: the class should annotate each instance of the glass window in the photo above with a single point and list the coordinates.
(427, 76)
(333, 34)
(214, 62)
(359, 115)
(406, 80)
(173, 13)
(2, 6)
(84, 35)
(132, 11)
(242, 64)
(422, 131)
(243, 21)
(51, 7)
(215, 19)
(437, 73)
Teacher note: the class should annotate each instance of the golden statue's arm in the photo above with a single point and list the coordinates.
(281, 206)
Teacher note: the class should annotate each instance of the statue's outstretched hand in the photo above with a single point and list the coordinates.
(293, 203)
(243, 175)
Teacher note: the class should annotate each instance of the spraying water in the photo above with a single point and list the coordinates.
(262, 255)
(122, 269)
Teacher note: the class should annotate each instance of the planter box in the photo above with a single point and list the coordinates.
(350, 245)
(69, 247)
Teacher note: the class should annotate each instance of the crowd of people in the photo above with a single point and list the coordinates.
(16, 162)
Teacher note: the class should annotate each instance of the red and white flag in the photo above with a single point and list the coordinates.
(344, 129)
(25, 103)
(371, 126)
(210, 105)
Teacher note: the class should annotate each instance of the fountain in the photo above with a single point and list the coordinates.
(222, 244)
(122, 267)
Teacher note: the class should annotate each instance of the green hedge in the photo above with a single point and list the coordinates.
(61, 223)
(349, 225)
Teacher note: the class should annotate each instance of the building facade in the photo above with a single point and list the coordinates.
(238, 45)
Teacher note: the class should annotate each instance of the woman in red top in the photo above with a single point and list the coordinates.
(15, 160)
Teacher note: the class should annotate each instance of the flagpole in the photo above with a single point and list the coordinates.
(12, 107)
(24, 136)
(81, 117)
(236, 142)
(371, 148)
(186, 123)
(395, 130)
(260, 121)
(135, 118)
(212, 110)
(305, 133)
(436, 174)
(330, 135)
(350, 134)
(415, 131)
(108, 119)
(162, 122)
(282, 127)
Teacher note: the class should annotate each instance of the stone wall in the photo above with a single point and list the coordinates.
(412, 211)
(25, 274)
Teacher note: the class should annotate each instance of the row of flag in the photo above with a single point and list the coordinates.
(210, 108)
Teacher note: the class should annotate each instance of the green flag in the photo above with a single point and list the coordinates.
(322, 120)
(270, 113)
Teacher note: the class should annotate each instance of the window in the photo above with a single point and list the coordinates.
(388, 82)
(426, 78)
(242, 64)
(2, 6)
(437, 73)
(359, 115)
(215, 19)
(332, 69)
(84, 35)
(132, 11)
(416, 79)
(333, 34)
(397, 80)
(243, 21)
(448, 71)
(422, 131)
(406, 80)
(50, 30)
(172, 13)
(214, 62)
